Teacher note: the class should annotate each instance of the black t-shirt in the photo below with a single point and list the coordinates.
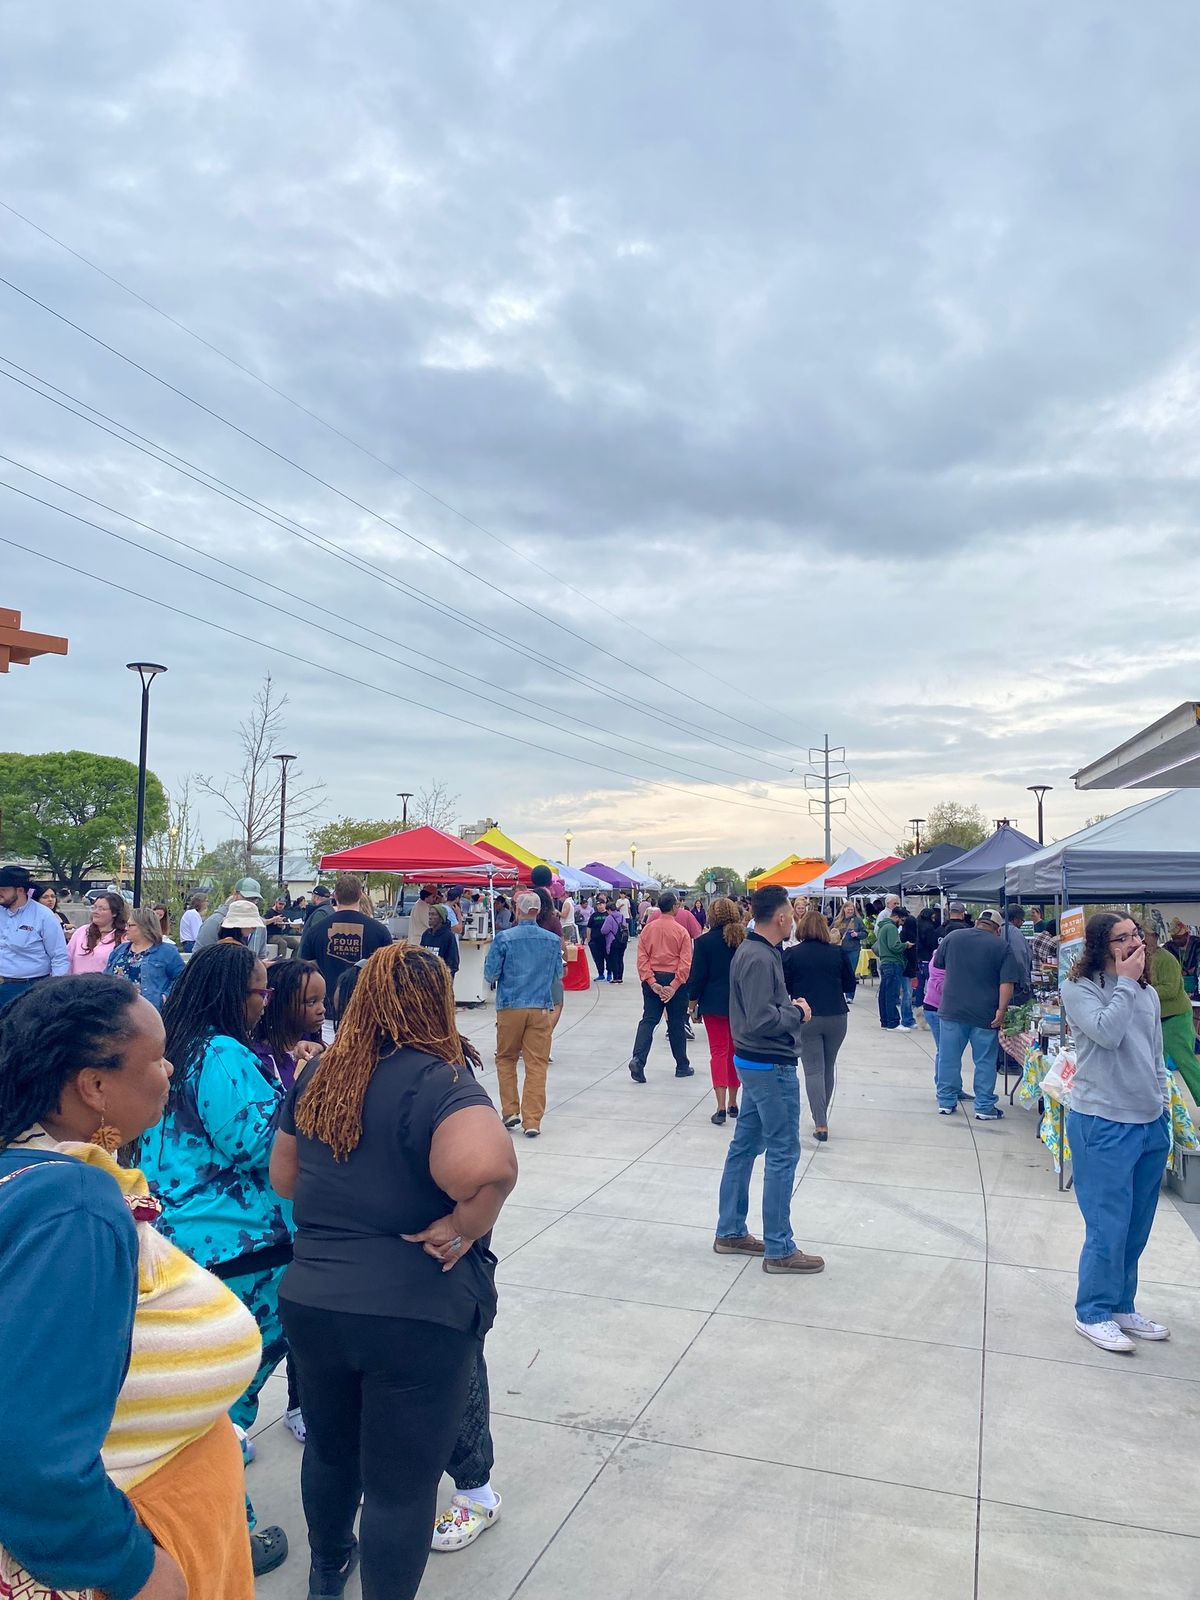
(341, 940)
(596, 924)
(350, 1215)
(976, 963)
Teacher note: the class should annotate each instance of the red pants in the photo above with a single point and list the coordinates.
(720, 1050)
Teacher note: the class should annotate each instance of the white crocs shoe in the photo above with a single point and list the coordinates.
(462, 1522)
(294, 1421)
(1133, 1322)
(1105, 1336)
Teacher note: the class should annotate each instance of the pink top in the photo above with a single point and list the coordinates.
(85, 960)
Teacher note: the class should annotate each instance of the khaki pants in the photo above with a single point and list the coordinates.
(522, 1030)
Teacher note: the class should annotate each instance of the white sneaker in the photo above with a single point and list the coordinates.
(908, 1027)
(294, 1422)
(1105, 1335)
(462, 1522)
(1139, 1326)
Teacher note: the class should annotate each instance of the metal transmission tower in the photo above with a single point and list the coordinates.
(827, 779)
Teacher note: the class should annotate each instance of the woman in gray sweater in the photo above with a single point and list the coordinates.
(1119, 1126)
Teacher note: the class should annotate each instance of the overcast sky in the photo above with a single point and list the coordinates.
(771, 369)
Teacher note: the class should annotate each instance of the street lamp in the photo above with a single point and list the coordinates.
(404, 796)
(1039, 792)
(916, 822)
(122, 850)
(633, 856)
(147, 671)
(283, 766)
(568, 836)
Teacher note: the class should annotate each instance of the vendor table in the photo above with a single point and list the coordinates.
(470, 989)
(1052, 1129)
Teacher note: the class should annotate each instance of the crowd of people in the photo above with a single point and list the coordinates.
(251, 1163)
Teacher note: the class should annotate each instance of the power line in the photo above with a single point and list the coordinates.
(885, 817)
(304, 600)
(362, 683)
(388, 466)
(360, 505)
(247, 502)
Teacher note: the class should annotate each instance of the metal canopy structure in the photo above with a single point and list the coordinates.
(1166, 755)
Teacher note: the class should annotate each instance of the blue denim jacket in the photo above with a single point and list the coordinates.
(524, 962)
(160, 966)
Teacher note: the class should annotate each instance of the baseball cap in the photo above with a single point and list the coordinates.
(250, 889)
(321, 891)
(242, 914)
(990, 919)
(15, 878)
(957, 905)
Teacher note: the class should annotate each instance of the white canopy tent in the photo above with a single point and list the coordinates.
(640, 878)
(576, 880)
(1149, 852)
(815, 887)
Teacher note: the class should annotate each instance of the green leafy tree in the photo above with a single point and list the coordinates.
(72, 809)
(949, 822)
(727, 879)
(755, 872)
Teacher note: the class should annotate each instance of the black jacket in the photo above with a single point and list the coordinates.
(910, 934)
(442, 942)
(928, 934)
(708, 981)
(820, 973)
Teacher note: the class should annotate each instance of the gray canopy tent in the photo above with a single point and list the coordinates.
(983, 866)
(1149, 852)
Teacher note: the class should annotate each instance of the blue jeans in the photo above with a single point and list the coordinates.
(1118, 1167)
(922, 978)
(891, 976)
(953, 1038)
(907, 1020)
(769, 1121)
(14, 989)
(935, 1028)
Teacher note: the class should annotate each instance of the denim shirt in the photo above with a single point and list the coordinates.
(524, 962)
(157, 969)
(32, 943)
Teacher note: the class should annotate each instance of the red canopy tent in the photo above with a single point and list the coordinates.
(425, 855)
(868, 869)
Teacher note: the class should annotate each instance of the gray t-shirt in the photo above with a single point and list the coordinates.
(977, 963)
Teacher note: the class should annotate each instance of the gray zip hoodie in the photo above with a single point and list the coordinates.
(1120, 1075)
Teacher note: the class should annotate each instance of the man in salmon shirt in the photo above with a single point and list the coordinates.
(664, 960)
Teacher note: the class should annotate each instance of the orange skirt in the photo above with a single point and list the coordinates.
(194, 1507)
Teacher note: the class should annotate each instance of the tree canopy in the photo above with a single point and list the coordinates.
(949, 822)
(72, 809)
(727, 879)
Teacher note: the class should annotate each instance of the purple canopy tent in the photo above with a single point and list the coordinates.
(618, 880)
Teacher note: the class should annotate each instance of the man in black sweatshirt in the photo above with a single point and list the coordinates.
(765, 1023)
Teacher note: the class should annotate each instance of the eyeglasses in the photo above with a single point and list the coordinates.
(266, 993)
(1128, 938)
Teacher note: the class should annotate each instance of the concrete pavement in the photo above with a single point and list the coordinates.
(920, 1422)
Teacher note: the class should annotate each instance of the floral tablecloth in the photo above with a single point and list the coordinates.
(1053, 1132)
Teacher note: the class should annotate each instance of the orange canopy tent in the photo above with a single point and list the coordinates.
(791, 874)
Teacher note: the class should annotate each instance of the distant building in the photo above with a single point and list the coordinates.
(476, 830)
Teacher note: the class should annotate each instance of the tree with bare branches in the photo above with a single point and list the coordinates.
(250, 796)
(434, 807)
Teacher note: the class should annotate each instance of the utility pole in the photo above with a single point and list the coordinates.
(916, 822)
(1006, 822)
(826, 779)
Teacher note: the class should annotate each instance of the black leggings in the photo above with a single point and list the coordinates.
(599, 955)
(383, 1401)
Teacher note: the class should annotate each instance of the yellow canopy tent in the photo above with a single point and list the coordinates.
(789, 874)
(500, 841)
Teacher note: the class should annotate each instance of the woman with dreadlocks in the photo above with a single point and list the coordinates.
(207, 1160)
(399, 1166)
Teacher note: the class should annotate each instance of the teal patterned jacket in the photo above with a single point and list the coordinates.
(207, 1159)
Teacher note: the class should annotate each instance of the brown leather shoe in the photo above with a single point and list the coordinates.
(747, 1245)
(796, 1262)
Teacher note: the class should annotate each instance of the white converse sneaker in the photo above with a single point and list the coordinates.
(1105, 1335)
(1140, 1327)
(462, 1522)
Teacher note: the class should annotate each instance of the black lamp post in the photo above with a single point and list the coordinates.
(404, 796)
(283, 766)
(1040, 791)
(916, 822)
(147, 671)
